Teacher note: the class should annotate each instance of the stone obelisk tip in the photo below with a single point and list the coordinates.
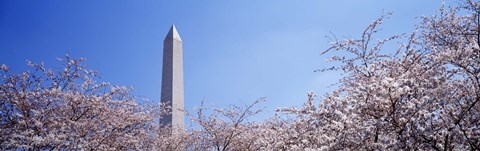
(173, 33)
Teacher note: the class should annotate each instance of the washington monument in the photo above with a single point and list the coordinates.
(172, 80)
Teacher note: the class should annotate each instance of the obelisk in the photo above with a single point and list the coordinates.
(172, 80)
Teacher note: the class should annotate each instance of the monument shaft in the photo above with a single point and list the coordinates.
(172, 80)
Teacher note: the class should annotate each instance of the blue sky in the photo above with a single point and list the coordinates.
(233, 50)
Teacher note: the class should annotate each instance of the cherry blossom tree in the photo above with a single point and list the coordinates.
(421, 96)
(226, 128)
(65, 109)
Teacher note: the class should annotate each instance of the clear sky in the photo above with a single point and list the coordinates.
(233, 50)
